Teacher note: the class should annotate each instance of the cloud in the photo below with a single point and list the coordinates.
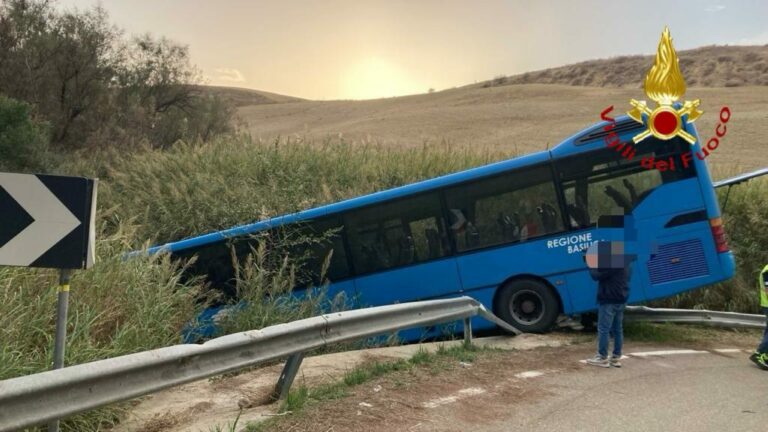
(229, 75)
(758, 39)
(714, 8)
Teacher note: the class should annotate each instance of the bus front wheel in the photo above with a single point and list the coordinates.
(528, 305)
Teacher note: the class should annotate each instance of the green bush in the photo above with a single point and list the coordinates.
(23, 141)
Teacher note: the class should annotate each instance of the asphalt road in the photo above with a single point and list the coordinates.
(707, 391)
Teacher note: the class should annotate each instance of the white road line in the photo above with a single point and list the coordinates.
(667, 353)
(461, 394)
(728, 350)
(529, 374)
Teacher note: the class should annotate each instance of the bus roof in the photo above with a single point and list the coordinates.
(574, 144)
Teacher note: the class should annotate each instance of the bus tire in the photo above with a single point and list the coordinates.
(529, 305)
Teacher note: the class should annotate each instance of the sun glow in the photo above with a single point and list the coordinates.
(374, 77)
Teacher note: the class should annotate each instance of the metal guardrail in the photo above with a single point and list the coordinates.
(741, 178)
(38, 398)
(714, 318)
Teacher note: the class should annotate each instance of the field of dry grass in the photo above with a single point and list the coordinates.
(710, 66)
(516, 118)
(243, 96)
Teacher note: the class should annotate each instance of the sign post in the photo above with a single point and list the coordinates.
(62, 307)
(49, 221)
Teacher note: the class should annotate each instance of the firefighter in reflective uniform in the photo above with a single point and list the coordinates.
(760, 357)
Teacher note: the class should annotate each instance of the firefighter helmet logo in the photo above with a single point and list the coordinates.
(664, 84)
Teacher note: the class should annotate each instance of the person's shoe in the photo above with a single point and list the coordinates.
(760, 359)
(599, 361)
(615, 361)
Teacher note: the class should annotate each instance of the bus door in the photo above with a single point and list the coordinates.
(600, 191)
(581, 286)
(400, 251)
(602, 183)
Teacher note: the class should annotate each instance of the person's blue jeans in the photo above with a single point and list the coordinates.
(609, 323)
(763, 348)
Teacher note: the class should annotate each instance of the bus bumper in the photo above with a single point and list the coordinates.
(728, 264)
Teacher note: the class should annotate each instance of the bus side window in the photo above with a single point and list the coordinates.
(576, 205)
(329, 233)
(309, 244)
(509, 207)
(458, 226)
(401, 235)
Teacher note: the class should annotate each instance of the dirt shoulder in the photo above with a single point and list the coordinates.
(204, 405)
(471, 389)
(448, 394)
(474, 392)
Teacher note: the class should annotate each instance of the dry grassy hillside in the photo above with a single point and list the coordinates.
(517, 118)
(537, 110)
(711, 66)
(243, 97)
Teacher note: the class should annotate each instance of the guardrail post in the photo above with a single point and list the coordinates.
(467, 331)
(290, 370)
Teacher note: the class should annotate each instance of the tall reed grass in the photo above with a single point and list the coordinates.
(191, 189)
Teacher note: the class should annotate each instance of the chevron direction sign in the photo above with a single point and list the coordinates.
(47, 221)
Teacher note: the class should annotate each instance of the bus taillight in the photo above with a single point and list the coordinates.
(718, 234)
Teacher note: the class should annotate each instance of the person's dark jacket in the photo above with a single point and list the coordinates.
(613, 284)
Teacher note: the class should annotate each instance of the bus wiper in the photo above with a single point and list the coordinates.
(738, 179)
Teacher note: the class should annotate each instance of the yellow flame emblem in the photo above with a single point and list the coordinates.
(664, 84)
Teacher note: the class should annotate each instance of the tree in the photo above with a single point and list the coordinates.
(158, 77)
(95, 87)
(62, 63)
(23, 141)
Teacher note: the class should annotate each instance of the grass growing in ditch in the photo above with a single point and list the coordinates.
(688, 333)
(230, 426)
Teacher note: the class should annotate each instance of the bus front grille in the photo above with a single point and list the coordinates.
(675, 261)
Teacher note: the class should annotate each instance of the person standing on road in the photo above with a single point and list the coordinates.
(610, 267)
(760, 357)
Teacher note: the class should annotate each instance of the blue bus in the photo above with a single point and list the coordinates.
(510, 234)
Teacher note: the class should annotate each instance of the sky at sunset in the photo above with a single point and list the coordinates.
(339, 49)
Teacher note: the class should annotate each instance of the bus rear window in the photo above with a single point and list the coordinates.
(595, 183)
